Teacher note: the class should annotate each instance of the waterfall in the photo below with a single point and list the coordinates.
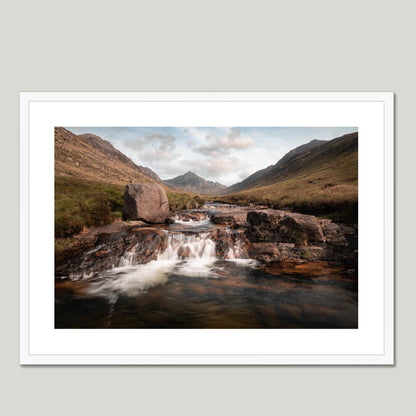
(127, 259)
(235, 252)
(185, 254)
(182, 246)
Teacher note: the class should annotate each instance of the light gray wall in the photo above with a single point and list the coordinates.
(204, 46)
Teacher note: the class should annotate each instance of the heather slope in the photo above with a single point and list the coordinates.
(322, 180)
(88, 157)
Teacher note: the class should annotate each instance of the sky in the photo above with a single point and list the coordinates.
(223, 154)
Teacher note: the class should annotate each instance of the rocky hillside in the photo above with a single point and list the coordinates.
(253, 179)
(318, 180)
(307, 158)
(152, 174)
(90, 158)
(190, 182)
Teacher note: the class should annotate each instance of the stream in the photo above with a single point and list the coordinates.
(189, 287)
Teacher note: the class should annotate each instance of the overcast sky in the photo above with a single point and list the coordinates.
(223, 154)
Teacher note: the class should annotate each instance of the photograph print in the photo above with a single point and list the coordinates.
(206, 227)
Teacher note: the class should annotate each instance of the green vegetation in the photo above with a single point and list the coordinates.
(306, 254)
(184, 200)
(80, 204)
(338, 202)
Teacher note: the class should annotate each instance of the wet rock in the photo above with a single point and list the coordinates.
(300, 229)
(264, 252)
(191, 215)
(229, 218)
(147, 202)
(264, 225)
(240, 224)
(116, 246)
(230, 243)
(184, 252)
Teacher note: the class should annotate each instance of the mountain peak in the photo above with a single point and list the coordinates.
(191, 182)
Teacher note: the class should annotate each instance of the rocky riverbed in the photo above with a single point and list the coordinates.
(219, 266)
(261, 234)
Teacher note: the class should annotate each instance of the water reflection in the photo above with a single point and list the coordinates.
(236, 297)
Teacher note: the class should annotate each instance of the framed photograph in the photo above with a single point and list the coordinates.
(207, 228)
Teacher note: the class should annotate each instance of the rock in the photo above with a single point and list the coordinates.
(270, 216)
(264, 225)
(147, 202)
(312, 253)
(229, 218)
(349, 230)
(300, 229)
(265, 252)
(324, 222)
(240, 224)
(286, 246)
(288, 251)
(230, 243)
(110, 247)
(191, 215)
(334, 235)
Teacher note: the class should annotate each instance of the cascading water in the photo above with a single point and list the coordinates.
(191, 253)
(237, 253)
(186, 254)
(181, 246)
(127, 259)
(194, 254)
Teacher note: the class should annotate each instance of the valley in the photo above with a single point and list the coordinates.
(277, 250)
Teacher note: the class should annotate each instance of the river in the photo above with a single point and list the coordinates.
(189, 287)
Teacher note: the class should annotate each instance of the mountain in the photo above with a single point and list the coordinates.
(260, 174)
(319, 178)
(152, 174)
(335, 160)
(190, 182)
(90, 158)
(304, 148)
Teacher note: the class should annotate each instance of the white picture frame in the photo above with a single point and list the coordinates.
(373, 341)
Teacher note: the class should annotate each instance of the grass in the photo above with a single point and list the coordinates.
(321, 182)
(80, 203)
(329, 192)
(184, 200)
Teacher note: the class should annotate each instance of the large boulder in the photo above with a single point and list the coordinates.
(145, 201)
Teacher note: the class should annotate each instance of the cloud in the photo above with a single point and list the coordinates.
(165, 141)
(151, 147)
(214, 145)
